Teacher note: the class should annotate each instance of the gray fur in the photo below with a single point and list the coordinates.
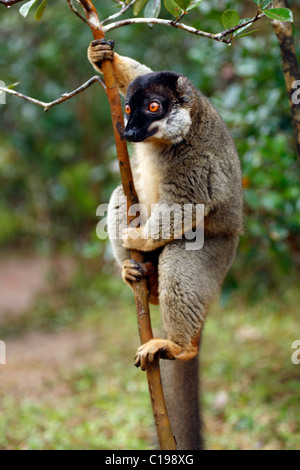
(197, 163)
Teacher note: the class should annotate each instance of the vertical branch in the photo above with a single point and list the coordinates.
(163, 428)
(284, 33)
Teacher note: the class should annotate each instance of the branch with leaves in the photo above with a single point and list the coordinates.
(235, 27)
(189, 29)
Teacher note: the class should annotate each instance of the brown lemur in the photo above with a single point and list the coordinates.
(183, 155)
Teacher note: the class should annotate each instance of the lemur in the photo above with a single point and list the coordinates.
(183, 154)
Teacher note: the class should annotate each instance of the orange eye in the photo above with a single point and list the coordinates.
(127, 109)
(154, 106)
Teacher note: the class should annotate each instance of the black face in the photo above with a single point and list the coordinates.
(149, 99)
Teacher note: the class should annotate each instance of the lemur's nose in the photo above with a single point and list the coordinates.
(130, 135)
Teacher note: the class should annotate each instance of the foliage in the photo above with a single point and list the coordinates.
(57, 167)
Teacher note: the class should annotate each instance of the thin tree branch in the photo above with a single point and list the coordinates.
(239, 26)
(119, 13)
(64, 97)
(9, 3)
(74, 10)
(189, 29)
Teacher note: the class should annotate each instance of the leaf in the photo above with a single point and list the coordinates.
(194, 4)
(13, 85)
(261, 3)
(183, 3)
(24, 10)
(230, 18)
(40, 11)
(264, 4)
(152, 9)
(243, 28)
(173, 7)
(138, 6)
(280, 14)
(247, 34)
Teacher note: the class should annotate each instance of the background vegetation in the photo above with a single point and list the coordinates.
(56, 168)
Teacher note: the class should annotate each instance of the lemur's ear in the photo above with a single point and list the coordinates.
(185, 90)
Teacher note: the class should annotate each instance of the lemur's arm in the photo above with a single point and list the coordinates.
(168, 222)
(125, 68)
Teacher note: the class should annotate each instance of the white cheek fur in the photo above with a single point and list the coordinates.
(173, 127)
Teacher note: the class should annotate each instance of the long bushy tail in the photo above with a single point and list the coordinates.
(181, 388)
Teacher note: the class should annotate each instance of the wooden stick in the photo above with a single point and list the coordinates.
(141, 293)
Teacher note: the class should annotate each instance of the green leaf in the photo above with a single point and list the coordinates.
(138, 6)
(13, 85)
(243, 28)
(40, 11)
(247, 34)
(194, 4)
(261, 3)
(280, 14)
(24, 10)
(264, 4)
(152, 9)
(183, 3)
(230, 18)
(173, 7)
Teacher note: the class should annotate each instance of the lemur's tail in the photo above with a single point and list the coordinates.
(181, 388)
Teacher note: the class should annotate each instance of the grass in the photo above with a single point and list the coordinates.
(95, 399)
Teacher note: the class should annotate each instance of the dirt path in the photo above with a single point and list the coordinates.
(36, 360)
(22, 278)
(37, 363)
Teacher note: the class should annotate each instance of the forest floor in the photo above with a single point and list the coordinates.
(69, 382)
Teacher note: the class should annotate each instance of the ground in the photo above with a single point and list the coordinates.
(69, 381)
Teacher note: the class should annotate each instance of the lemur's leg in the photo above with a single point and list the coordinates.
(188, 283)
(125, 68)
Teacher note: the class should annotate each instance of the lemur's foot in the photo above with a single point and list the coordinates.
(132, 271)
(148, 352)
(100, 50)
(165, 349)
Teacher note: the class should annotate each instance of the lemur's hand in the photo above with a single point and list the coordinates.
(132, 271)
(100, 50)
(136, 239)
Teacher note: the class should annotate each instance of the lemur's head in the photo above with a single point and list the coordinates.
(157, 107)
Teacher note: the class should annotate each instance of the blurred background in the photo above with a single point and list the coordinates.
(66, 318)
